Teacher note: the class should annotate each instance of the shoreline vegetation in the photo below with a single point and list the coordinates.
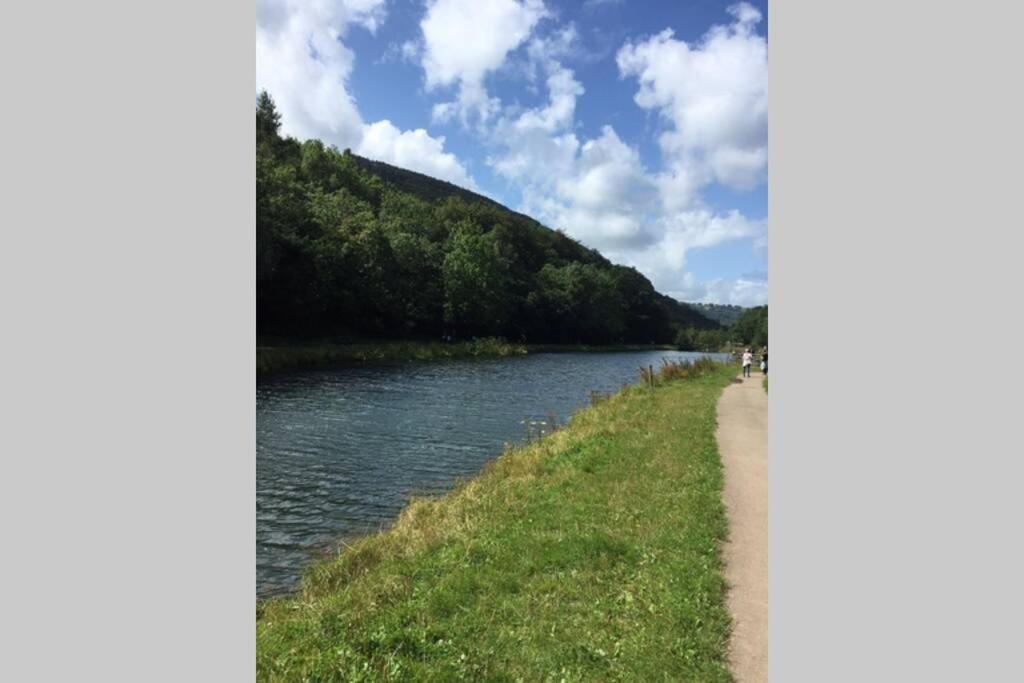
(592, 553)
(275, 357)
(293, 356)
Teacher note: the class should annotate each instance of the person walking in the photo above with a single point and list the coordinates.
(764, 361)
(748, 358)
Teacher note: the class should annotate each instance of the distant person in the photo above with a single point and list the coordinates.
(748, 358)
(764, 361)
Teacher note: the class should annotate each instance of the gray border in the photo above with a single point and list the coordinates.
(127, 491)
(895, 516)
(127, 494)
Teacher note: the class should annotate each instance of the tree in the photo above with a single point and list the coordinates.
(685, 339)
(268, 120)
(752, 327)
(582, 303)
(475, 283)
(645, 319)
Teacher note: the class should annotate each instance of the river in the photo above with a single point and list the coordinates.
(339, 452)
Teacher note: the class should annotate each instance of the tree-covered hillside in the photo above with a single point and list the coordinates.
(725, 315)
(752, 327)
(351, 248)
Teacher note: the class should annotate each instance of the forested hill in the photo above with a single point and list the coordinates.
(699, 316)
(724, 314)
(420, 185)
(353, 248)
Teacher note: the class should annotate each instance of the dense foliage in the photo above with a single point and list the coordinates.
(752, 327)
(351, 248)
(724, 314)
(691, 339)
(749, 329)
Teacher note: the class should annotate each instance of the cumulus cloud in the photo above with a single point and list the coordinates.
(664, 259)
(596, 191)
(302, 61)
(413, 149)
(739, 292)
(714, 96)
(464, 40)
(599, 192)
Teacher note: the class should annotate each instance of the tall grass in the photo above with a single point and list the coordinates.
(589, 554)
(671, 370)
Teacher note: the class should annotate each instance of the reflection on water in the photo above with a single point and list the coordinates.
(339, 452)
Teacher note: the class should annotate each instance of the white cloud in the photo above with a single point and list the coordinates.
(713, 93)
(410, 50)
(739, 292)
(407, 51)
(464, 40)
(302, 61)
(607, 198)
(664, 260)
(599, 192)
(413, 149)
(544, 52)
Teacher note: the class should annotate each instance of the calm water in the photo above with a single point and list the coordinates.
(339, 452)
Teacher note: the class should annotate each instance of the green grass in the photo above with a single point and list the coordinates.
(765, 383)
(591, 554)
(293, 356)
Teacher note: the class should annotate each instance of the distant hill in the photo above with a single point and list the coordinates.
(724, 314)
(687, 315)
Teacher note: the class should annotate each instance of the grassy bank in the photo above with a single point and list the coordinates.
(592, 554)
(272, 358)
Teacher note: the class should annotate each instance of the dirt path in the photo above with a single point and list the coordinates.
(743, 442)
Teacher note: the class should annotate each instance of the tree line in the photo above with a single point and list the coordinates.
(750, 329)
(349, 248)
(344, 254)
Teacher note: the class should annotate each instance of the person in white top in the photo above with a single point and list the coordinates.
(748, 358)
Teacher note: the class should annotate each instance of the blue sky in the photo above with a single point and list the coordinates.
(636, 127)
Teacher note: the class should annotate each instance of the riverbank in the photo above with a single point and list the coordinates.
(590, 554)
(292, 356)
(273, 358)
(597, 348)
